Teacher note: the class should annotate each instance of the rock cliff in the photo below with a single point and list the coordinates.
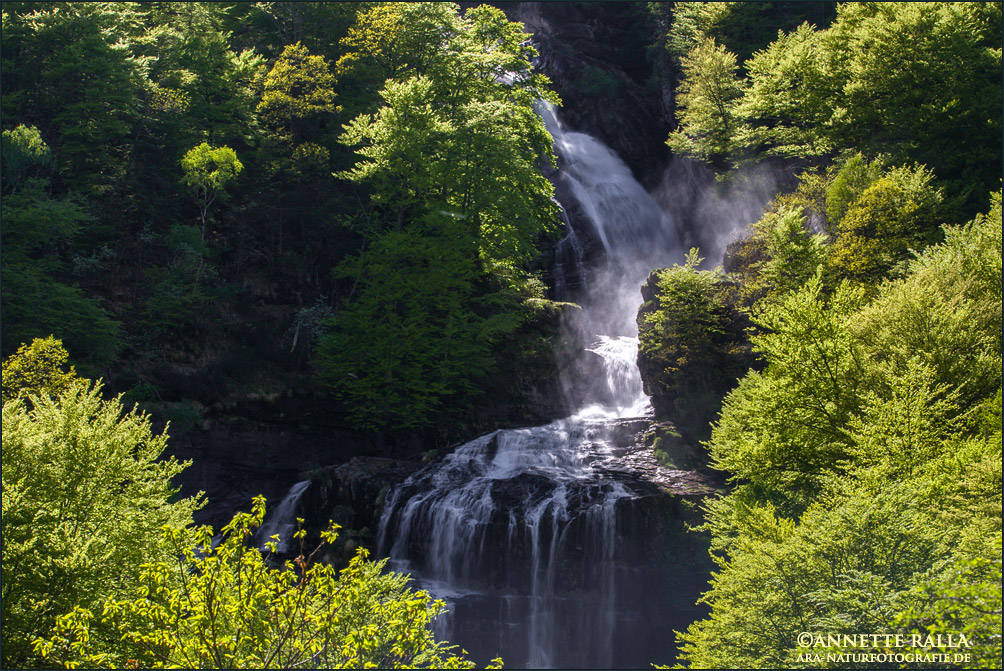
(691, 357)
(602, 62)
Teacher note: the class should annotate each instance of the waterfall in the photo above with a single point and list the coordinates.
(569, 270)
(282, 520)
(635, 233)
(518, 529)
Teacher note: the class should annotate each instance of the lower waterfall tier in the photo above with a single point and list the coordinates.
(559, 546)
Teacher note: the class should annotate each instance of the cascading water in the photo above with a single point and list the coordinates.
(282, 520)
(569, 270)
(518, 529)
(635, 233)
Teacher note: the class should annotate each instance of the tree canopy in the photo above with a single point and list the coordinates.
(919, 82)
(344, 205)
(230, 609)
(169, 164)
(85, 494)
(865, 461)
(103, 568)
(452, 161)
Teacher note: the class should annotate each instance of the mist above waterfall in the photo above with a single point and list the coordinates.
(715, 212)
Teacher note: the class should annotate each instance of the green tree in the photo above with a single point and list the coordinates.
(871, 219)
(783, 430)
(917, 70)
(965, 599)
(692, 23)
(299, 86)
(207, 172)
(85, 494)
(854, 176)
(120, 89)
(794, 253)
(297, 112)
(706, 102)
(411, 340)
(946, 311)
(270, 27)
(78, 83)
(22, 149)
(742, 27)
(200, 87)
(892, 216)
(403, 149)
(297, 102)
(394, 40)
(37, 369)
(794, 85)
(916, 81)
(451, 164)
(35, 292)
(866, 459)
(231, 609)
(850, 565)
(872, 552)
(908, 80)
(460, 134)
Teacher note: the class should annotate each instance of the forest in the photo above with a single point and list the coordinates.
(344, 219)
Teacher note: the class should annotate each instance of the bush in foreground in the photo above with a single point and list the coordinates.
(231, 609)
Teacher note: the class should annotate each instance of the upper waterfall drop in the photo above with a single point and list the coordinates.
(630, 224)
(519, 529)
(635, 233)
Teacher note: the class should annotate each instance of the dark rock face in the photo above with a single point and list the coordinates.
(597, 56)
(352, 496)
(263, 448)
(232, 466)
(686, 375)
